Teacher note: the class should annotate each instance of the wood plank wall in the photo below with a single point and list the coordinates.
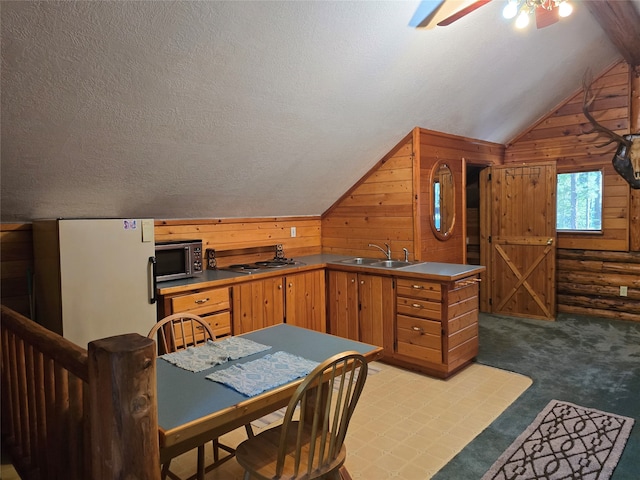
(391, 204)
(382, 207)
(458, 152)
(591, 268)
(379, 209)
(16, 251)
(235, 239)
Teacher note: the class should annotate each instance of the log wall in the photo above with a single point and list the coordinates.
(591, 268)
(589, 283)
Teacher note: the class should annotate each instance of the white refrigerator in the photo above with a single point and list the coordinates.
(93, 278)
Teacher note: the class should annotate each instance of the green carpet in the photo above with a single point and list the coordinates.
(584, 360)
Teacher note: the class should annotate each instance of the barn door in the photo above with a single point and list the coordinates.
(522, 240)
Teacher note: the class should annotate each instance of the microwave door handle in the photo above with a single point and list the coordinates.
(154, 283)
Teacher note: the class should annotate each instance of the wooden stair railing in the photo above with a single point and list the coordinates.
(72, 414)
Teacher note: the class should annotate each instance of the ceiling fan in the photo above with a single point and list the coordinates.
(432, 13)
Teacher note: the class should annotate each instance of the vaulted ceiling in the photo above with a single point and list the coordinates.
(207, 109)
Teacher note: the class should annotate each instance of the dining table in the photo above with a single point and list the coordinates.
(193, 409)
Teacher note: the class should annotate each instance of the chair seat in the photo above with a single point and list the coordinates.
(258, 455)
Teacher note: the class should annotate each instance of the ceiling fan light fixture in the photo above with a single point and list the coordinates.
(511, 10)
(523, 19)
(565, 9)
(546, 10)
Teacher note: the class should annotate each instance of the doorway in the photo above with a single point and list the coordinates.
(472, 191)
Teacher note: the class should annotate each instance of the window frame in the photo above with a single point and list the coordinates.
(584, 169)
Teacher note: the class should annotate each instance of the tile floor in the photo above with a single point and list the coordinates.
(406, 425)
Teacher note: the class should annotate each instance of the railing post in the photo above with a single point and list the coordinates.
(124, 410)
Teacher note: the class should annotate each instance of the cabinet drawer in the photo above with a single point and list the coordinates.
(220, 323)
(420, 339)
(419, 308)
(463, 291)
(199, 303)
(408, 287)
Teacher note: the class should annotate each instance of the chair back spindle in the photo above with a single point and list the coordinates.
(310, 442)
(180, 331)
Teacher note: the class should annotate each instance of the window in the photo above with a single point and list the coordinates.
(579, 202)
(436, 205)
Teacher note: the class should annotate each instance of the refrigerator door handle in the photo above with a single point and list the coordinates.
(153, 298)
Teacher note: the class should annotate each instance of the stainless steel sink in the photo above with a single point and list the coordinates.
(390, 264)
(360, 261)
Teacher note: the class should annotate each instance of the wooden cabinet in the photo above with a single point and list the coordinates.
(418, 319)
(359, 306)
(305, 304)
(436, 324)
(298, 299)
(212, 304)
(343, 304)
(258, 304)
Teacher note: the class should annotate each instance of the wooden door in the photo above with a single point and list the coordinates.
(305, 300)
(257, 304)
(343, 304)
(375, 295)
(522, 240)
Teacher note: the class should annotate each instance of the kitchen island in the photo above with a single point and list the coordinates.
(423, 314)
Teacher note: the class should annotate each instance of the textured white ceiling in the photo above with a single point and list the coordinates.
(195, 109)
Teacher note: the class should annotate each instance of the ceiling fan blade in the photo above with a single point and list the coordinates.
(425, 12)
(545, 17)
(461, 13)
(434, 12)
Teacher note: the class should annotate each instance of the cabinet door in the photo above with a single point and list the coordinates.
(343, 304)
(305, 300)
(376, 299)
(257, 304)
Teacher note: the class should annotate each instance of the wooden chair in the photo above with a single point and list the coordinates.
(313, 446)
(178, 332)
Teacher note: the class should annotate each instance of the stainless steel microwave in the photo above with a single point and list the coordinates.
(178, 259)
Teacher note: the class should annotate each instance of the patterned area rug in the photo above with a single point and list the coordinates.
(565, 441)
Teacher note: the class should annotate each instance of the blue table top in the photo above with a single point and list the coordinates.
(185, 397)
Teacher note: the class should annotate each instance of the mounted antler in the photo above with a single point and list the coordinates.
(627, 158)
(587, 101)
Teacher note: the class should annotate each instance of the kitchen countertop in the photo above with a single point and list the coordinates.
(220, 278)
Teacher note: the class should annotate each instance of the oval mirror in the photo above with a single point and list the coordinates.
(443, 208)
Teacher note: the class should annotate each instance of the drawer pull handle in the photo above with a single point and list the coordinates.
(417, 329)
(419, 287)
(202, 300)
(416, 305)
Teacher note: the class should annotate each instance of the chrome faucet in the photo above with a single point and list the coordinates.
(406, 254)
(387, 252)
